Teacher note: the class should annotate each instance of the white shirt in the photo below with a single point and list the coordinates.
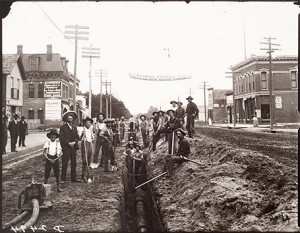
(53, 148)
(70, 126)
(88, 134)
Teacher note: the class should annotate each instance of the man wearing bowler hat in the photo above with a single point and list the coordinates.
(191, 112)
(69, 142)
(22, 131)
(183, 151)
(13, 128)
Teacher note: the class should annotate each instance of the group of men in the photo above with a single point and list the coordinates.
(17, 128)
(169, 126)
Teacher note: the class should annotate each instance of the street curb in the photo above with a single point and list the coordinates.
(14, 155)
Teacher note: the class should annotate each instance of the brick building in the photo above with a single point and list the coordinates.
(217, 105)
(251, 89)
(47, 82)
(12, 85)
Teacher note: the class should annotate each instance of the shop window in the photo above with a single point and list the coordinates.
(30, 114)
(294, 79)
(41, 90)
(31, 90)
(263, 79)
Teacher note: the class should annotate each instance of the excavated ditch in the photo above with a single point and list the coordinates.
(236, 190)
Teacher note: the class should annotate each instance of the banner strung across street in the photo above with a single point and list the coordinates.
(52, 89)
(53, 109)
(159, 77)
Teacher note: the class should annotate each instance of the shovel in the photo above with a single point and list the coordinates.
(88, 177)
(185, 158)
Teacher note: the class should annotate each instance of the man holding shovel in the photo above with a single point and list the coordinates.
(181, 155)
(87, 138)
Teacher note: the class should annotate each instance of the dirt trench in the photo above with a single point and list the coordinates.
(236, 190)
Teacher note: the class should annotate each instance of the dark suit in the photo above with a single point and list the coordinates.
(22, 132)
(13, 129)
(69, 152)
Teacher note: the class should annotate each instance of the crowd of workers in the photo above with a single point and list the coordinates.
(106, 134)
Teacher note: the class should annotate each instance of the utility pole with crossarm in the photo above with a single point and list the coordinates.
(101, 73)
(90, 52)
(271, 98)
(76, 37)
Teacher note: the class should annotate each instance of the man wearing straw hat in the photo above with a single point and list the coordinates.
(191, 112)
(100, 125)
(52, 153)
(87, 138)
(69, 142)
(174, 105)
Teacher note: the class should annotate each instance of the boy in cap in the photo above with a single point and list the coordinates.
(52, 152)
(183, 151)
(87, 138)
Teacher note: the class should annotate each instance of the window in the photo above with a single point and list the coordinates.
(41, 90)
(30, 114)
(242, 83)
(263, 79)
(67, 92)
(34, 64)
(11, 82)
(64, 91)
(31, 90)
(14, 92)
(294, 79)
(253, 82)
(41, 116)
(250, 82)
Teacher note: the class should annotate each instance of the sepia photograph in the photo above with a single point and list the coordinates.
(149, 116)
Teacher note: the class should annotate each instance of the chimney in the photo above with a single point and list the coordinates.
(63, 64)
(19, 49)
(49, 52)
(66, 64)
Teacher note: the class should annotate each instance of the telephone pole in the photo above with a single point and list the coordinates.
(232, 76)
(106, 84)
(101, 73)
(76, 37)
(110, 105)
(204, 89)
(271, 99)
(90, 52)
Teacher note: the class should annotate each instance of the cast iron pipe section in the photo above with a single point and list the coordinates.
(141, 216)
(15, 220)
(34, 216)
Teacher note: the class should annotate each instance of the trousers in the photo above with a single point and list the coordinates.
(190, 125)
(69, 153)
(86, 155)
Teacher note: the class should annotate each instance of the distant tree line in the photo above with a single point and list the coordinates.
(118, 107)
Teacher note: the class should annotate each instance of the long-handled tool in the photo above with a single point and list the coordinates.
(133, 171)
(173, 140)
(150, 180)
(185, 158)
(88, 178)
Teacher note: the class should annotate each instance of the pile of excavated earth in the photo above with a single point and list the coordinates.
(235, 190)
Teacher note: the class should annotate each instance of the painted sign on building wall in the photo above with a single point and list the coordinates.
(210, 104)
(278, 102)
(53, 89)
(53, 109)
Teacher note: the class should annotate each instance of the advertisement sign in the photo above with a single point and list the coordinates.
(53, 89)
(278, 102)
(53, 109)
(159, 77)
(210, 99)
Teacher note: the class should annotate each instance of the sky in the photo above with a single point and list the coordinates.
(204, 40)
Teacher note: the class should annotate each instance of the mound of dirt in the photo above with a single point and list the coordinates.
(236, 190)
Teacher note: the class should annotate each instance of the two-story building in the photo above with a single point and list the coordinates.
(12, 85)
(48, 88)
(217, 111)
(251, 89)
